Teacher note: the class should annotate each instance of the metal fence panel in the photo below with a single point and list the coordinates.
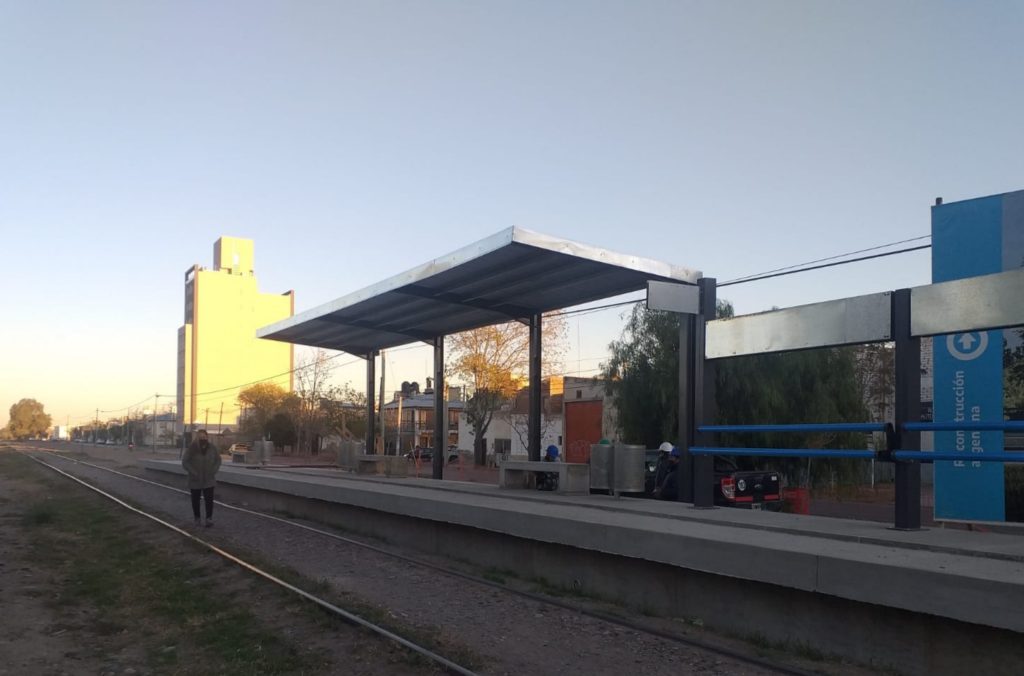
(973, 304)
(848, 321)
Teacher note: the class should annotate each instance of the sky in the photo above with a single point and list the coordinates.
(354, 140)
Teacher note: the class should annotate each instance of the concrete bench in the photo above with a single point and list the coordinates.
(388, 465)
(573, 477)
(242, 457)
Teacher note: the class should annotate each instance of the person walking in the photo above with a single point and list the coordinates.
(201, 461)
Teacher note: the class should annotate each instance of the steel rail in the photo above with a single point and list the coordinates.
(784, 452)
(939, 456)
(607, 617)
(797, 427)
(352, 618)
(966, 426)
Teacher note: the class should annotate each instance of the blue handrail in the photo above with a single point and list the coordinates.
(784, 452)
(965, 426)
(799, 427)
(933, 456)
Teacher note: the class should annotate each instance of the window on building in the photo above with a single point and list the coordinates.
(502, 445)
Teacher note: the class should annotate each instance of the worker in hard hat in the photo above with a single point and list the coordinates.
(669, 489)
(548, 481)
(661, 469)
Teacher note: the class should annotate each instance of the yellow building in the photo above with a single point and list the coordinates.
(217, 347)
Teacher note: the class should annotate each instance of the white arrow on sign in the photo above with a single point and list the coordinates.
(962, 345)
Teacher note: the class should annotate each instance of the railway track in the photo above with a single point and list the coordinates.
(449, 666)
(350, 617)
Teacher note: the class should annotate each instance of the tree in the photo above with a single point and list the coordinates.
(28, 419)
(790, 387)
(493, 361)
(281, 430)
(876, 377)
(260, 402)
(1013, 373)
(343, 412)
(642, 377)
(311, 385)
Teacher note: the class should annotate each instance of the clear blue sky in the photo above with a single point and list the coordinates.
(352, 140)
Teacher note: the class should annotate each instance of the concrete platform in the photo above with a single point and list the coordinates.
(838, 578)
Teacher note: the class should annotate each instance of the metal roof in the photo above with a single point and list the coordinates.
(511, 275)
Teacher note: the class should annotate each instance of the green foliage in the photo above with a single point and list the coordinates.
(260, 401)
(28, 419)
(281, 430)
(812, 386)
(1013, 374)
(1013, 478)
(642, 377)
(794, 387)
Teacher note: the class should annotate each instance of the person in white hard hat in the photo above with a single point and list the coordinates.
(662, 468)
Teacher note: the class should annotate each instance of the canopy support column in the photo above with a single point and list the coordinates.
(440, 411)
(704, 409)
(533, 424)
(908, 409)
(371, 377)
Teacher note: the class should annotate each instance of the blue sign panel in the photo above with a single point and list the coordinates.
(967, 241)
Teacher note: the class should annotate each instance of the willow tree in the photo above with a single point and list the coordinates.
(493, 363)
(791, 387)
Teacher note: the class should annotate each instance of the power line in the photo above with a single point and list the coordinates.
(90, 416)
(826, 265)
(598, 308)
(829, 258)
(769, 274)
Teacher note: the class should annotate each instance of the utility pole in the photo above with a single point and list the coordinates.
(220, 419)
(207, 418)
(156, 407)
(398, 428)
(383, 445)
(95, 424)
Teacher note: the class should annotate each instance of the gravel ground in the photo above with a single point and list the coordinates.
(46, 629)
(512, 634)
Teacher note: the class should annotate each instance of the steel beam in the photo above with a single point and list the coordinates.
(908, 410)
(371, 386)
(440, 411)
(974, 304)
(847, 321)
(684, 411)
(704, 408)
(533, 425)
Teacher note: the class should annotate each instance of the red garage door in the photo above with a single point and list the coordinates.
(582, 428)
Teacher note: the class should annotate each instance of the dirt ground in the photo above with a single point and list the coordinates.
(69, 608)
(511, 634)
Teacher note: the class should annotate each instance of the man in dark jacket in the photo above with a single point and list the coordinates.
(661, 468)
(548, 481)
(669, 489)
(201, 461)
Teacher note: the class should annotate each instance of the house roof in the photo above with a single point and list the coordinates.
(511, 275)
(425, 400)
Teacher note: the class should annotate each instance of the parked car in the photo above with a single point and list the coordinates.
(427, 454)
(240, 448)
(733, 487)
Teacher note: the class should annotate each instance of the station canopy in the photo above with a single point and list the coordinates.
(509, 276)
